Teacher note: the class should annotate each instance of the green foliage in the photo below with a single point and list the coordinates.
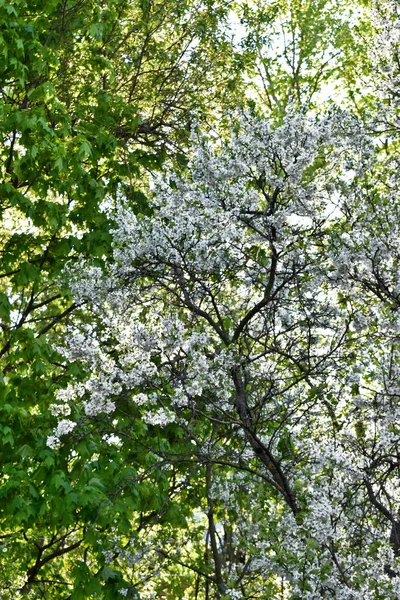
(94, 96)
(300, 51)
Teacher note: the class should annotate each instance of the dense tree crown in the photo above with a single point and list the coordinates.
(199, 300)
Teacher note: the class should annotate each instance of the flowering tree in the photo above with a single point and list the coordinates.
(250, 324)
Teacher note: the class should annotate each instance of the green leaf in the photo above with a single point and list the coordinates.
(109, 574)
(5, 306)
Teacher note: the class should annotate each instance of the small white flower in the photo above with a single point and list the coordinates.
(64, 427)
(53, 442)
(161, 417)
(58, 410)
(112, 440)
